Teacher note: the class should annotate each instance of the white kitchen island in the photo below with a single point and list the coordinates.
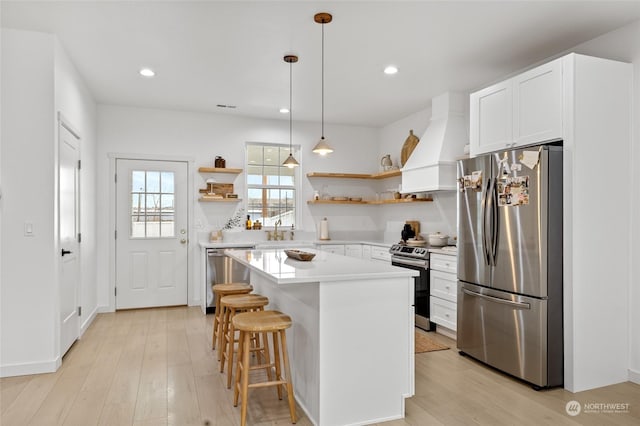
(352, 340)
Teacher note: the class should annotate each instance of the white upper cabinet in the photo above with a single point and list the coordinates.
(491, 119)
(537, 104)
(522, 110)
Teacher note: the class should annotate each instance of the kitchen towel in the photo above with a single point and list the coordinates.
(324, 229)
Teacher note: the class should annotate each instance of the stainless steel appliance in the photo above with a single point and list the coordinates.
(416, 258)
(222, 269)
(510, 262)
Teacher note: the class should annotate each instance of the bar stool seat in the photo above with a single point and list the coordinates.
(221, 290)
(275, 323)
(232, 305)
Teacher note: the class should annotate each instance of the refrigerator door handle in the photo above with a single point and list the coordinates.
(494, 218)
(485, 246)
(519, 305)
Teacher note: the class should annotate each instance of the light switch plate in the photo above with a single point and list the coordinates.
(28, 229)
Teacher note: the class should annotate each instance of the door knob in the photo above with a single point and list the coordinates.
(183, 241)
(65, 252)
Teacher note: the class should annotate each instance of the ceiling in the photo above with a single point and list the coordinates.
(231, 52)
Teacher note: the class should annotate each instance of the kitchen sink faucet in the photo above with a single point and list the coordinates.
(277, 236)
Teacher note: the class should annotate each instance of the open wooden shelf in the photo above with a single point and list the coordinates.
(219, 200)
(394, 201)
(402, 200)
(380, 175)
(219, 170)
(336, 202)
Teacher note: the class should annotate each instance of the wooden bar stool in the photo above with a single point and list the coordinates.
(273, 322)
(232, 305)
(221, 290)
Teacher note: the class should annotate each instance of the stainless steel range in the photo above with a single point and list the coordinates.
(416, 258)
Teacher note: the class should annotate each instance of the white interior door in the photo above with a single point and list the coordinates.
(151, 233)
(68, 195)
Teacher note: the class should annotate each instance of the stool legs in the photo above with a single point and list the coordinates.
(245, 379)
(287, 372)
(276, 360)
(223, 327)
(216, 321)
(243, 368)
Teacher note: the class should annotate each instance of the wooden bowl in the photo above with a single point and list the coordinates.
(305, 256)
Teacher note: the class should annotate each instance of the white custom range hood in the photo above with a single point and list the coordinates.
(432, 165)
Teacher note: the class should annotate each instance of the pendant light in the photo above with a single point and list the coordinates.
(322, 147)
(290, 161)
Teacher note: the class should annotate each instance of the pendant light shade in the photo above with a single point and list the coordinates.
(322, 147)
(290, 162)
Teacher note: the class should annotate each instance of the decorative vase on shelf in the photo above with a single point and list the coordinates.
(386, 162)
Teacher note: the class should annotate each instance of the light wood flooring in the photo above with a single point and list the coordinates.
(154, 367)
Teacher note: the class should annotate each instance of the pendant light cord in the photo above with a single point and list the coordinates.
(322, 73)
(290, 107)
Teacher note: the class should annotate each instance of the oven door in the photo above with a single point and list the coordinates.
(421, 289)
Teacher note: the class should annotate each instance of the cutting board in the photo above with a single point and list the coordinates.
(408, 147)
(415, 225)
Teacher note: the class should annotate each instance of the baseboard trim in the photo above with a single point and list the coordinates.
(446, 332)
(104, 309)
(634, 376)
(27, 368)
(85, 325)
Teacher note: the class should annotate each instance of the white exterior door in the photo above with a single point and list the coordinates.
(68, 230)
(151, 233)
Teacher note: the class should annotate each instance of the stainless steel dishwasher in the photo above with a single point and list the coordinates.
(222, 269)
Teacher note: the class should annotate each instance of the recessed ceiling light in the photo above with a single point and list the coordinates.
(147, 72)
(284, 110)
(390, 69)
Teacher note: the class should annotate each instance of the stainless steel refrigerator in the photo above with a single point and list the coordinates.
(510, 262)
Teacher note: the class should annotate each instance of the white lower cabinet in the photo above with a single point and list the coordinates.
(366, 251)
(380, 253)
(443, 290)
(360, 251)
(353, 250)
(332, 248)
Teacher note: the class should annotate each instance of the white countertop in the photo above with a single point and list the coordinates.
(289, 243)
(448, 252)
(275, 265)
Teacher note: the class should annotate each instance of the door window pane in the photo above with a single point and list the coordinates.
(166, 180)
(153, 182)
(152, 204)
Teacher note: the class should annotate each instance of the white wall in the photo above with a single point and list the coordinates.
(74, 101)
(624, 45)
(393, 136)
(36, 80)
(203, 136)
(439, 216)
(28, 130)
